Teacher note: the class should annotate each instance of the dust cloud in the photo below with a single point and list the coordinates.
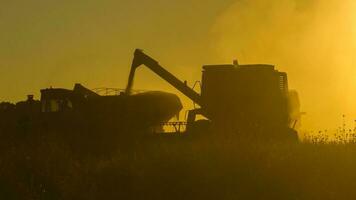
(314, 41)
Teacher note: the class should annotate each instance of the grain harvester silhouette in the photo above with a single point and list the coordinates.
(234, 98)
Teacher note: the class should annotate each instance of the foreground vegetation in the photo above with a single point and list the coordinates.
(41, 165)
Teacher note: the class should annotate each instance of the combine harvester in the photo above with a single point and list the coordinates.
(234, 98)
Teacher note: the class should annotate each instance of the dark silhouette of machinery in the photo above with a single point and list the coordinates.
(234, 97)
(146, 109)
(83, 110)
(88, 122)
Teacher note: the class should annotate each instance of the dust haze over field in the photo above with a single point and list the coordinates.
(313, 41)
(58, 43)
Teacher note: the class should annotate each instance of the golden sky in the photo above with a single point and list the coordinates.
(60, 42)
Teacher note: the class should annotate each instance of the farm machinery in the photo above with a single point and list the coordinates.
(234, 98)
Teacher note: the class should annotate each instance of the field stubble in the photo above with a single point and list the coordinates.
(47, 166)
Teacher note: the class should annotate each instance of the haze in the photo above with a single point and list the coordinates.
(59, 43)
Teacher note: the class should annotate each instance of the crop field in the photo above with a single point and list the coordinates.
(41, 165)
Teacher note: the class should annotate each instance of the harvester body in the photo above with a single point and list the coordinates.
(245, 96)
(234, 98)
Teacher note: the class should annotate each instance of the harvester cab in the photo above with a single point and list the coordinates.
(234, 98)
(54, 100)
